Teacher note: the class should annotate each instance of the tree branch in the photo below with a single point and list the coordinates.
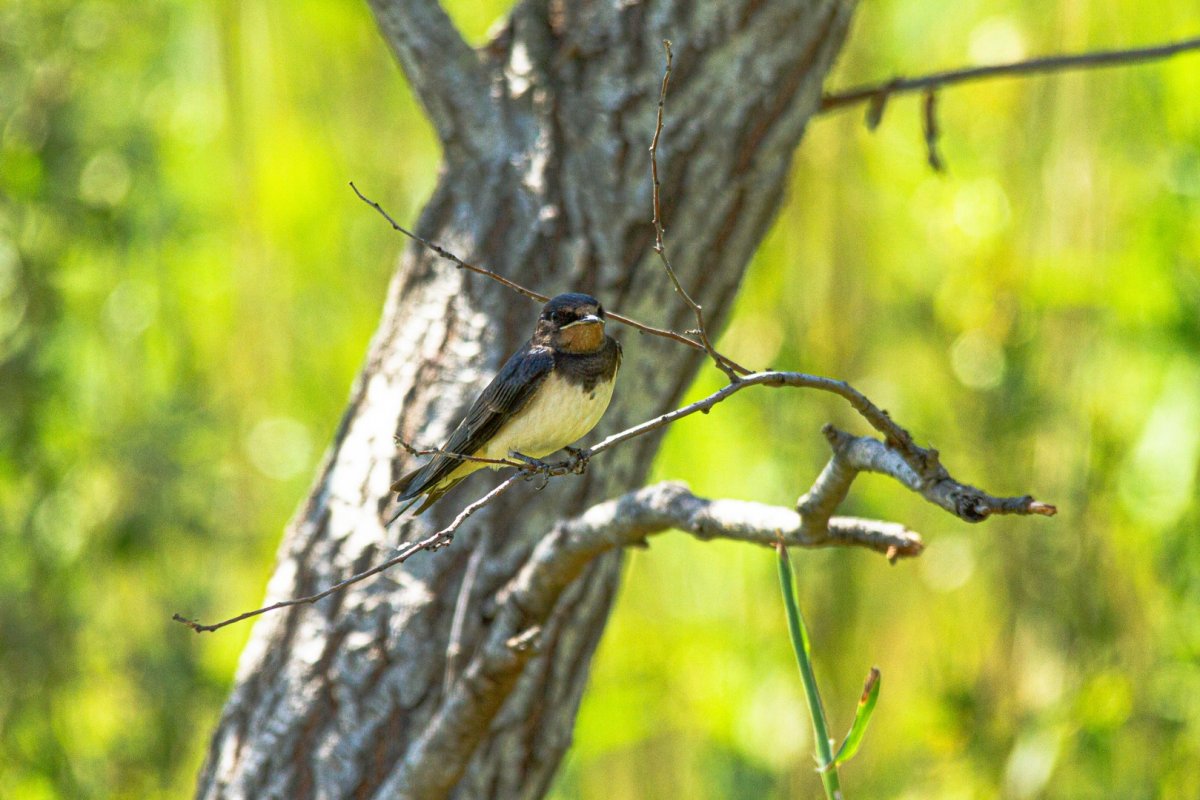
(918, 468)
(731, 368)
(527, 603)
(854, 454)
(444, 72)
(434, 541)
(436, 760)
(878, 93)
(442, 252)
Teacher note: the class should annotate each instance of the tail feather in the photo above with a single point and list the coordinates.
(404, 507)
(402, 484)
(411, 495)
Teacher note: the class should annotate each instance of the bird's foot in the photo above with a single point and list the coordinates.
(579, 458)
(533, 466)
(440, 542)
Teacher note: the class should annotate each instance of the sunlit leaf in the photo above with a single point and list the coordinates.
(862, 717)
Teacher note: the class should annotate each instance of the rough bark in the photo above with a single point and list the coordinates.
(545, 180)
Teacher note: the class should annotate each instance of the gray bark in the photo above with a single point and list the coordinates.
(545, 180)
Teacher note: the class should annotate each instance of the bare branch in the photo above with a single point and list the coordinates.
(437, 451)
(877, 94)
(855, 454)
(731, 368)
(924, 462)
(516, 287)
(931, 129)
(434, 541)
(898, 456)
(446, 254)
(529, 600)
(444, 71)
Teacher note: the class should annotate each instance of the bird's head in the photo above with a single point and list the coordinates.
(571, 323)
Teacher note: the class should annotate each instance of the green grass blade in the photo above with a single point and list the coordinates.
(862, 716)
(826, 766)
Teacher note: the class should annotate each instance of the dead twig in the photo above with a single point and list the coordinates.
(434, 541)
(412, 450)
(731, 368)
(897, 455)
(876, 96)
(516, 287)
(877, 93)
(929, 125)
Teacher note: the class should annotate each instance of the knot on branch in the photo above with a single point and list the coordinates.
(917, 468)
(972, 506)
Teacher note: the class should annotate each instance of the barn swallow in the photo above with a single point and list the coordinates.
(548, 394)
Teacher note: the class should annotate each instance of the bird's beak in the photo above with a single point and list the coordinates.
(585, 320)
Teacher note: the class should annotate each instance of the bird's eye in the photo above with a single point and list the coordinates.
(600, 312)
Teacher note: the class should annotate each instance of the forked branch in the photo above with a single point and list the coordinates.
(442, 252)
(897, 455)
(560, 557)
(877, 95)
(878, 92)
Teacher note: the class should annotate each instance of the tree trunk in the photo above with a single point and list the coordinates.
(546, 181)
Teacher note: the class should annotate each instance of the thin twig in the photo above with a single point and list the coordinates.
(446, 254)
(731, 368)
(928, 477)
(924, 463)
(928, 473)
(437, 451)
(434, 541)
(516, 287)
(877, 417)
(929, 125)
(871, 93)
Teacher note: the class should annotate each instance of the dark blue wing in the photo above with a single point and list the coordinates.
(507, 394)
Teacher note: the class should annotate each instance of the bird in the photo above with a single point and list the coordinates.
(548, 394)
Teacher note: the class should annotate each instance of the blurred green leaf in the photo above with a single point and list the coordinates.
(182, 268)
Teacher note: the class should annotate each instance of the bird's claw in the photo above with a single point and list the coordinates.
(579, 458)
(576, 463)
(534, 466)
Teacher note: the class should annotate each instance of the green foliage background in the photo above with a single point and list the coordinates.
(187, 288)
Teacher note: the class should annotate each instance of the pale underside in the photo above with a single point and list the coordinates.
(559, 414)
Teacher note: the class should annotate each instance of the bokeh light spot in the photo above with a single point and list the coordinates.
(996, 40)
(948, 564)
(105, 179)
(1032, 763)
(978, 360)
(1105, 702)
(279, 447)
(131, 308)
(10, 264)
(1157, 484)
(981, 209)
